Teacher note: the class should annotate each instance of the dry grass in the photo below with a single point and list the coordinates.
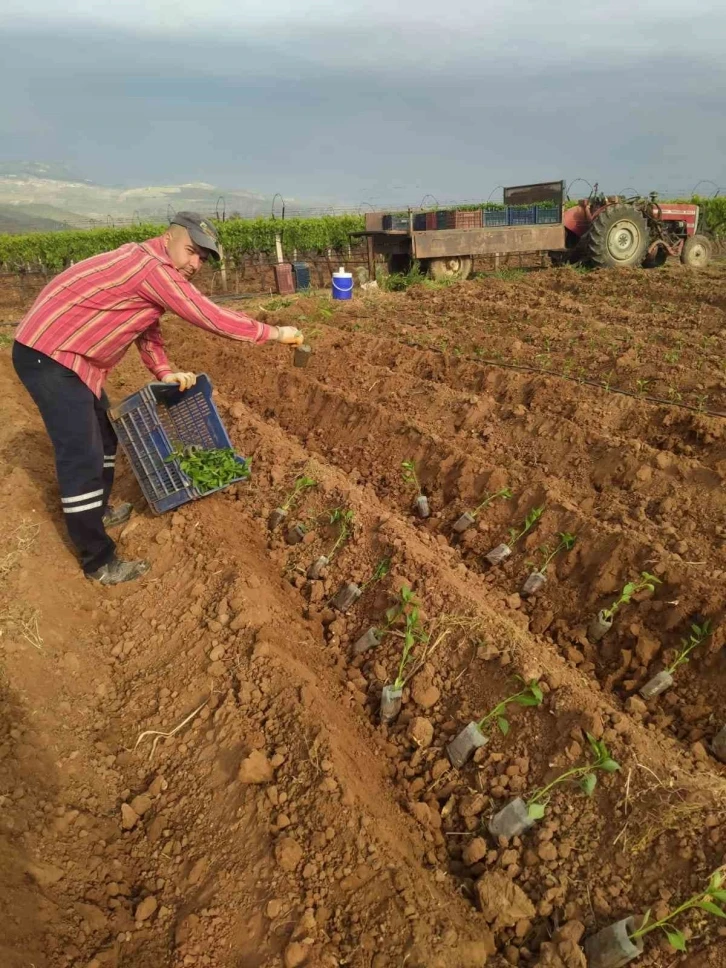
(161, 734)
(17, 543)
(22, 621)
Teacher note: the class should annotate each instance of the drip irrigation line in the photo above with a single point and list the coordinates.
(591, 383)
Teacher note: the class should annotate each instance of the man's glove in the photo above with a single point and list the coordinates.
(289, 335)
(185, 380)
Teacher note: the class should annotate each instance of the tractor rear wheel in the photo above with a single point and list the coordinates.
(696, 252)
(453, 267)
(618, 237)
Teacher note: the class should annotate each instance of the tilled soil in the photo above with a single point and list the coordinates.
(193, 768)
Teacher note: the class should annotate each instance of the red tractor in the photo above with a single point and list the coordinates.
(610, 231)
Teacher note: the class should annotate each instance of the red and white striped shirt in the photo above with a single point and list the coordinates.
(88, 316)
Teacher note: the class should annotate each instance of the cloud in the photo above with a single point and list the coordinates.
(371, 106)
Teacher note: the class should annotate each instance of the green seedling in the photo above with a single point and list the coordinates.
(302, 483)
(712, 901)
(382, 569)
(531, 695)
(210, 469)
(529, 522)
(410, 476)
(645, 582)
(566, 543)
(586, 777)
(413, 634)
(503, 492)
(643, 385)
(344, 520)
(699, 634)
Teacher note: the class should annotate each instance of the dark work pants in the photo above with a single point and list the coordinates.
(85, 449)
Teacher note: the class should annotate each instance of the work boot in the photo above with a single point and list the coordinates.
(113, 517)
(117, 571)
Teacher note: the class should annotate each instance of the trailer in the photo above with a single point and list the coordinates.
(448, 252)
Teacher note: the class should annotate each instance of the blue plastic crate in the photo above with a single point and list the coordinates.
(522, 216)
(152, 423)
(495, 216)
(548, 214)
(419, 222)
(301, 275)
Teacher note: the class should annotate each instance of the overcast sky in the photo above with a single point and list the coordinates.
(377, 103)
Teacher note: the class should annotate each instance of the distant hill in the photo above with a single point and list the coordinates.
(49, 192)
(16, 222)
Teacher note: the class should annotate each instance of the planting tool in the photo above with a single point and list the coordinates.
(301, 356)
(499, 554)
(368, 640)
(719, 745)
(657, 685)
(390, 702)
(296, 534)
(318, 567)
(512, 820)
(600, 626)
(465, 744)
(614, 946)
(347, 596)
(534, 583)
(421, 504)
(276, 518)
(465, 521)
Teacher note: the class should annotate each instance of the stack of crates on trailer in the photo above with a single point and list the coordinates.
(460, 219)
(395, 223)
(495, 216)
(521, 214)
(548, 214)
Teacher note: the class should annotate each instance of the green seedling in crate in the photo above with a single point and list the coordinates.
(209, 469)
(538, 577)
(410, 477)
(502, 551)
(620, 943)
(604, 620)
(469, 517)
(476, 734)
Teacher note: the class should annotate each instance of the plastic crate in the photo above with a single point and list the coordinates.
(301, 274)
(431, 221)
(283, 279)
(154, 422)
(395, 223)
(419, 222)
(495, 216)
(464, 219)
(548, 214)
(522, 216)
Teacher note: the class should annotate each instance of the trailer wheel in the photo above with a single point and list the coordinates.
(696, 252)
(453, 267)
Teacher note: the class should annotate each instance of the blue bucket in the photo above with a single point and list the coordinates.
(342, 284)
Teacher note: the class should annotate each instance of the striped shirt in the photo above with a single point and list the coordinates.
(88, 316)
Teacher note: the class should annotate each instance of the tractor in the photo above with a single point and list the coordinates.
(611, 231)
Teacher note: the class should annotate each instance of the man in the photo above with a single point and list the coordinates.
(78, 329)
